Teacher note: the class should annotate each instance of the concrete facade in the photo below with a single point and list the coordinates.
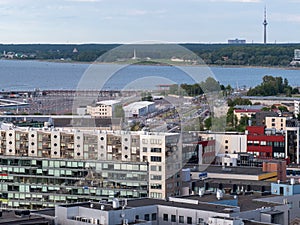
(151, 164)
(103, 109)
(137, 109)
(278, 123)
(227, 142)
(190, 210)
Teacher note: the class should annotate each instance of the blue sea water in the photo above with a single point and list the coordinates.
(28, 75)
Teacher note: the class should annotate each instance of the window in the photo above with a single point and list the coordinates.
(144, 149)
(200, 220)
(153, 216)
(226, 147)
(137, 217)
(155, 141)
(143, 168)
(147, 217)
(181, 219)
(153, 168)
(189, 220)
(155, 186)
(155, 177)
(155, 195)
(226, 141)
(155, 149)
(165, 217)
(173, 218)
(155, 159)
(281, 144)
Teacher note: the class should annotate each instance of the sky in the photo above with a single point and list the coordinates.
(134, 21)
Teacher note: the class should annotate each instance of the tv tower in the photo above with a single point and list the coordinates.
(265, 23)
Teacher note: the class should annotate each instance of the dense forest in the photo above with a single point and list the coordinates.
(246, 55)
(212, 54)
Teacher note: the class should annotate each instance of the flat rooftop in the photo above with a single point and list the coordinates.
(209, 202)
(245, 202)
(9, 218)
(108, 102)
(227, 170)
(151, 202)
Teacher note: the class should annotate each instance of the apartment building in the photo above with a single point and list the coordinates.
(276, 122)
(40, 167)
(103, 109)
(240, 113)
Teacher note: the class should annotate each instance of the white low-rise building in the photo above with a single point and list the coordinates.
(208, 209)
(137, 109)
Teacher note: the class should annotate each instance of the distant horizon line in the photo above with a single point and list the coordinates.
(140, 43)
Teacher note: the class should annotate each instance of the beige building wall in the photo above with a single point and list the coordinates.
(244, 113)
(227, 142)
(279, 123)
(105, 111)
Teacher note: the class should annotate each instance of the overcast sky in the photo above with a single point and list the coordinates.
(130, 21)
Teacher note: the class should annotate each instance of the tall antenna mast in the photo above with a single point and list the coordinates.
(265, 23)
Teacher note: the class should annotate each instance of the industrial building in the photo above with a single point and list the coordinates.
(137, 109)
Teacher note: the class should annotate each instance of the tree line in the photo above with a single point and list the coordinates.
(246, 55)
(272, 86)
(212, 54)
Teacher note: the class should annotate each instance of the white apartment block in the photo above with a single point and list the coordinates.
(164, 153)
(103, 109)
